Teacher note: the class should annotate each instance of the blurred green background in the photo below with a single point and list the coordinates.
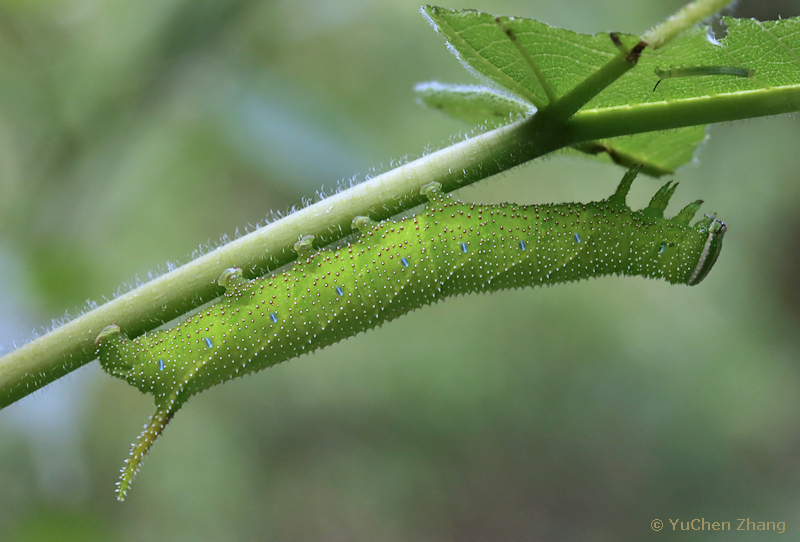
(134, 133)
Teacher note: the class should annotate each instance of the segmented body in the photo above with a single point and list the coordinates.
(450, 248)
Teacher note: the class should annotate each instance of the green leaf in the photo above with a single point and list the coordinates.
(473, 104)
(539, 63)
(565, 58)
(770, 48)
(659, 153)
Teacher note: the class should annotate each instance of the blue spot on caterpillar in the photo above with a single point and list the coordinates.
(517, 246)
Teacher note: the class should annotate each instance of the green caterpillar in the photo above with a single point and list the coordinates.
(694, 71)
(449, 248)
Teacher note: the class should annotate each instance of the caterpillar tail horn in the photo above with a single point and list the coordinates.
(139, 449)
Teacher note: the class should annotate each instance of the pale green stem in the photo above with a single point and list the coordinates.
(617, 121)
(69, 346)
(567, 105)
(72, 345)
(686, 17)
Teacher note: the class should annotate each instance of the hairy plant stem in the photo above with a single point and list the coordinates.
(72, 345)
(686, 17)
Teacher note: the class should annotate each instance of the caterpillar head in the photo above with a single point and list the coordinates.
(713, 230)
(687, 253)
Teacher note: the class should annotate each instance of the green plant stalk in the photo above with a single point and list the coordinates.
(617, 121)
(686, 17)
(71, 345)
(590, 87)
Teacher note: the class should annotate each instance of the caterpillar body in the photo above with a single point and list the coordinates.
(449, 248)
(694, 71)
